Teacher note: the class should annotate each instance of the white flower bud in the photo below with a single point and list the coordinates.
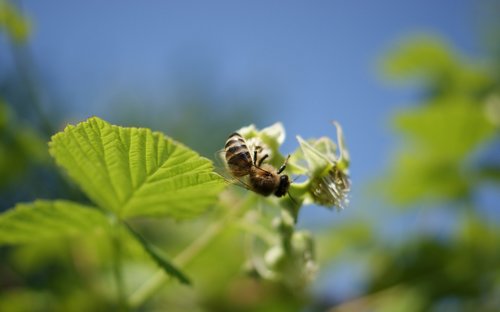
(328, 183)
(274, 257)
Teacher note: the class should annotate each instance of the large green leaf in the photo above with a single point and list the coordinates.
(43, 219)
(136, 172)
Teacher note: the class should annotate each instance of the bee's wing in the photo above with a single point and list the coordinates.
(262, 169)
(220, 158)
(238, 181)
(221, 168)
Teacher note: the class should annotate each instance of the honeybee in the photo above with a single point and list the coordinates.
(263, 179)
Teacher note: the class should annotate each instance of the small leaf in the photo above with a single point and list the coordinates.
(134, 171)
(43, 220)
(159, 258)
(274, 132)
(269, 139)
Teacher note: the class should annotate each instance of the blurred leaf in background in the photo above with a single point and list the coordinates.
(13, 22)
(451, 123)
(21, 147)
(24, 123)
(447, 140)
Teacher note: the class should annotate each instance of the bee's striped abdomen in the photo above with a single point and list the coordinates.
(238, 157)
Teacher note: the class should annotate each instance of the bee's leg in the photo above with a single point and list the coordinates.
(284, 165)
(262, 160)
(257, 149)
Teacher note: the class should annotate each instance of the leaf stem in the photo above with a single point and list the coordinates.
(151, 286)
(258, 231)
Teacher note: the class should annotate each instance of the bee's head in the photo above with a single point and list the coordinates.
(283, 186)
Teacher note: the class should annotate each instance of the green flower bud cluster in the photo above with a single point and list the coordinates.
(324, 163)
(290, 258)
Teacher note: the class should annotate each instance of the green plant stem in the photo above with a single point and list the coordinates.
(258, 231)
(118, 266)
(151, 286)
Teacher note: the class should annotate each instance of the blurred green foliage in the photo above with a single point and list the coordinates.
(21, 147)
(450, 124)
(13, 22)
(429, 60)
(462, 272)
(24, 126)
(447, 141)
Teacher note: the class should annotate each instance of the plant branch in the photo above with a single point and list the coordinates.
(151, 286)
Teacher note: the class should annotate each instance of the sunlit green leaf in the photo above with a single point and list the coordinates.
(136, 172)
(42, 219)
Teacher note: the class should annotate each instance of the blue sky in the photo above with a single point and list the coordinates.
(317, 60)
